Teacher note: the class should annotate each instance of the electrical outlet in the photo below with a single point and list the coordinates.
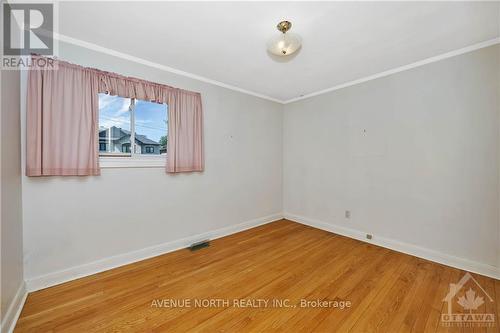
(347, 214)
(369, 236)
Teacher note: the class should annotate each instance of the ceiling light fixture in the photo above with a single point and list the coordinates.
(286, 43)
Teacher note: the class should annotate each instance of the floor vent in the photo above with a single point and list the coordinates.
(199, 245)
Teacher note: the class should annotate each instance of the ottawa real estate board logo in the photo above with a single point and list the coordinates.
(468, 305)
(28, 28)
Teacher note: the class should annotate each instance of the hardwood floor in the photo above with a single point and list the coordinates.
(388, 291)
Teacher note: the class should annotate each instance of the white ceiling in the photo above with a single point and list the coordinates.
(226, 41)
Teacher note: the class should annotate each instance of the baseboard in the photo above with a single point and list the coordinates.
(414, 250)
(9, 320)
(105, 264)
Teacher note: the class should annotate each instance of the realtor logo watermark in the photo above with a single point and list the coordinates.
(28, 28)
(246, 303)
(468, 305)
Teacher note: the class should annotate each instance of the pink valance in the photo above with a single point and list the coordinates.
(62, 119)
(115, 84)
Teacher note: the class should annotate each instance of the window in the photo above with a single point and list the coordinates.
(129, 128)
(126, 148)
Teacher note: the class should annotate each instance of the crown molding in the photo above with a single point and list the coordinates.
(440, 57)
(145, 62)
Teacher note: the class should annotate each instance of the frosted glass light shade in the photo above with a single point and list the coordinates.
(284, 44)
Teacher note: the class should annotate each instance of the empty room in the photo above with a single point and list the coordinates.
(250, 166)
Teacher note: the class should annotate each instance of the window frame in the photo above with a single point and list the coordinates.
(132, 159)
(127, 148)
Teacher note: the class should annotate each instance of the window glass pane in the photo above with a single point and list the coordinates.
(150, 128)
(114, 124)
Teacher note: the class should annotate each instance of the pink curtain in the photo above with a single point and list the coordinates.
(62, 119)
(61, 122)
(185, 151)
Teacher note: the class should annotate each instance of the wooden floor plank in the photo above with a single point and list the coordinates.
(284, 261)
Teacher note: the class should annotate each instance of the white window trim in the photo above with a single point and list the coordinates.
(131, 160)
(134, 161)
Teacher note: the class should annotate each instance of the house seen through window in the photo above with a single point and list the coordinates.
(125, 120)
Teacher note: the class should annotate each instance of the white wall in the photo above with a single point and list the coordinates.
(414, 156)
(11, 218)
(73, 221)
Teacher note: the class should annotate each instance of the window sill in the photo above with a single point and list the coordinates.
(106, 162)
